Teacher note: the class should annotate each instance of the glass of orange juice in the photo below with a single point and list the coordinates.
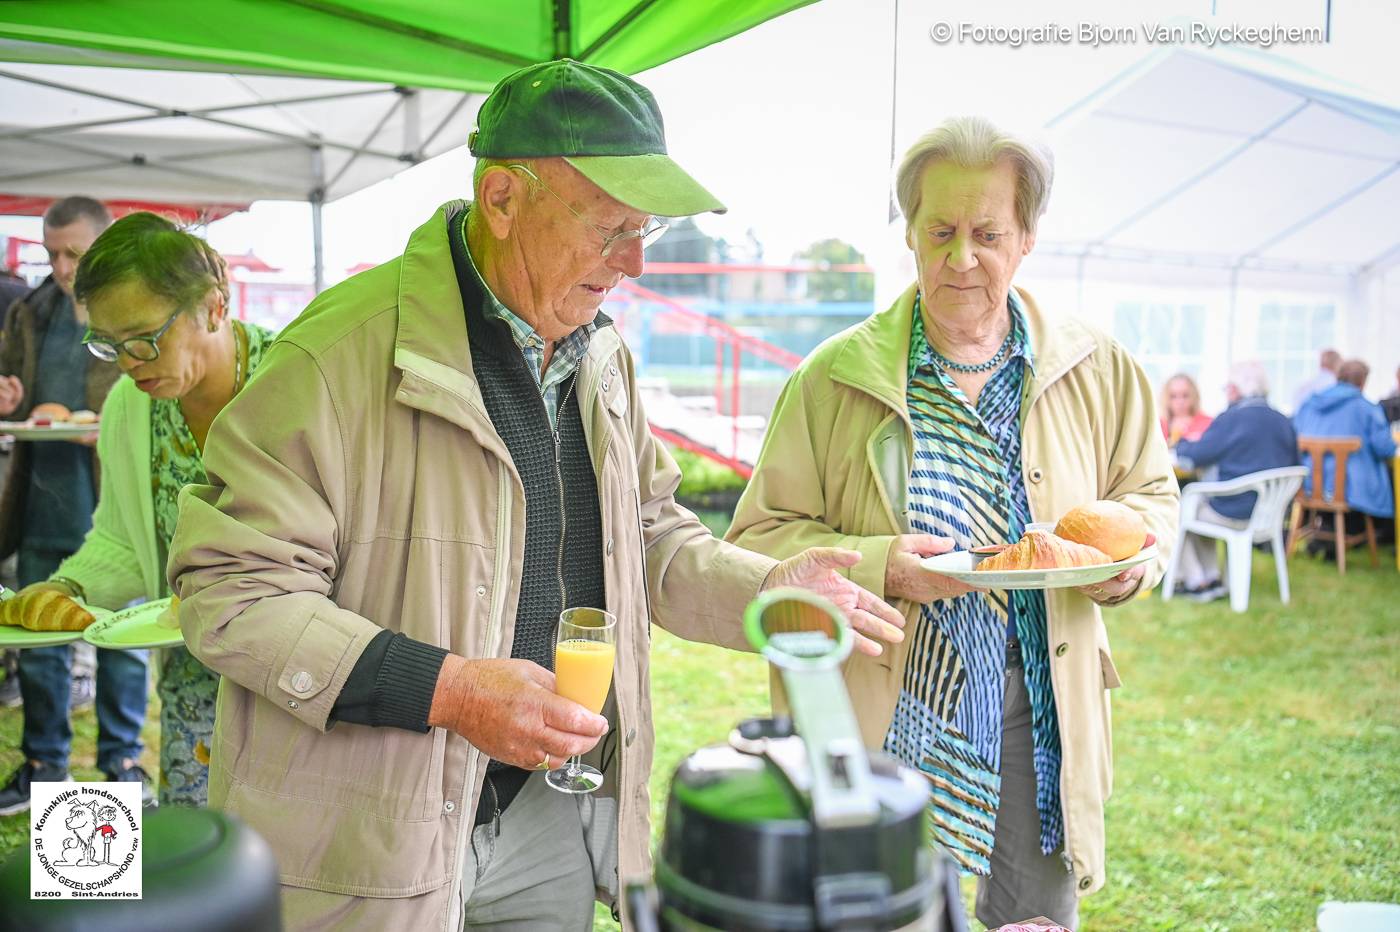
(584, 648)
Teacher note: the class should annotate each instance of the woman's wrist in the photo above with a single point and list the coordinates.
(74, 587)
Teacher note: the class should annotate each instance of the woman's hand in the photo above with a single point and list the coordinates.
(1116, 589)
(906, 578)
(33, 588)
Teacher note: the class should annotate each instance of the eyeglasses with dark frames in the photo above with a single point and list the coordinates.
(144, 347)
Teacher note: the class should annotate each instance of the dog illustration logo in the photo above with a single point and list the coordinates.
(86, 841)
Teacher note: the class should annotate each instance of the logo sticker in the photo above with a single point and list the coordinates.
(85, 841)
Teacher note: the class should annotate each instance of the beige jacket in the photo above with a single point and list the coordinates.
(357, 484)
(834, 472)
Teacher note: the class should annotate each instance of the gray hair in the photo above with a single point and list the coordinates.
(1250, 379)
(975, 142)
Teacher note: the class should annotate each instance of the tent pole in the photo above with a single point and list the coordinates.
(318, 245)
(1079, 284)
(1231, 320)
(317, 199)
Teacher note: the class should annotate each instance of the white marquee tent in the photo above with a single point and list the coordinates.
(1269, 190)
(1262, 195)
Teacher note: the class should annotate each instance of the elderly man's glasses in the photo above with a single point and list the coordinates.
(144, 347)
(648, 234)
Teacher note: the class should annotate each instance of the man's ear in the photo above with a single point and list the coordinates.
(499, 196)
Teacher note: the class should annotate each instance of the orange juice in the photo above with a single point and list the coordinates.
(583, 671)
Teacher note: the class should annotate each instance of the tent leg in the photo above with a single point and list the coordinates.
(318, 244)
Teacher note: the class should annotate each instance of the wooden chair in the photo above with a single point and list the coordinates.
(1311, 507)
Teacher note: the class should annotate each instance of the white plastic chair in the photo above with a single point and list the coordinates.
(1275, 490)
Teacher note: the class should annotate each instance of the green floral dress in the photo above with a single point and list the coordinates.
(186, 687)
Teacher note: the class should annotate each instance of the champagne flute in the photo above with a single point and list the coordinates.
(584, 648)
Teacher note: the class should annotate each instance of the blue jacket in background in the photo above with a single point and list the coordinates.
(1248, 437)
(1342, 411)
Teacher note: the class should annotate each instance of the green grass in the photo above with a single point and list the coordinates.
(1257, 756)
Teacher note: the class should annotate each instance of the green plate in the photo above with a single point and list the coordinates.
(12, 636)
(134, 628)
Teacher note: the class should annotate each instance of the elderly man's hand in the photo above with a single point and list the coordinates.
(508, 709)
(1116, 589)
(906, 578)
(817, 570)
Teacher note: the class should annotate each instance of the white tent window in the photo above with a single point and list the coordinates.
(1166, 337)
(1288, 339)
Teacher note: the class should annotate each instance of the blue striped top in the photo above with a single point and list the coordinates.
(967, 484)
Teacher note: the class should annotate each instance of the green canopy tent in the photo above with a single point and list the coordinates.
(230, 101)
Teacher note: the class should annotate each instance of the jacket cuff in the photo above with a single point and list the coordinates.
(391, 685)
(869, 573)
(404, 685)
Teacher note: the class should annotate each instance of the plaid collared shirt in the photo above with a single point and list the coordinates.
(567, 352)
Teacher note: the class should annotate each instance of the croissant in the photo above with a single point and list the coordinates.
(45, 610)
(1041, 550)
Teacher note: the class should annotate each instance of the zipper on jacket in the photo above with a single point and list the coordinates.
(559, 480)
(495, 807)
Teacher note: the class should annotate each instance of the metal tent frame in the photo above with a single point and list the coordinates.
(270, 137)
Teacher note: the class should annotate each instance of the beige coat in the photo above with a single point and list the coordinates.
(357, 484)
(834, 472)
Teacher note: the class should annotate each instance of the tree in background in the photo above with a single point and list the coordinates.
(828, 285)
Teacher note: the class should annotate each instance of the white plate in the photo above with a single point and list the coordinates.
(958, 565)
(13, 636)
(23, 430)
(134, 628)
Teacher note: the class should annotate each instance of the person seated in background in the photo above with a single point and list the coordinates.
(1390, 405)
(1249, 436)
(1182, 418)
(1328, 362)
(1342, 411)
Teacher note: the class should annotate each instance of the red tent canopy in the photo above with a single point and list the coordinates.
(17, 205)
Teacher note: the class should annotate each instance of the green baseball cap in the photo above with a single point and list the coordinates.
(602, 123)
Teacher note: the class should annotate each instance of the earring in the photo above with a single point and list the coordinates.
(213, 326)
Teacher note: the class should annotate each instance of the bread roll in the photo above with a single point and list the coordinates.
(83, 417)
(45, 610)
(51, 410)
(1041, 550)
(1112, 527)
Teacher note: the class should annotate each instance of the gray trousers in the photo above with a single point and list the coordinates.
(531, 871)
(1024, 883)
(534, 874)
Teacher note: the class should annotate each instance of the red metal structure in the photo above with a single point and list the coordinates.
(728, 341)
